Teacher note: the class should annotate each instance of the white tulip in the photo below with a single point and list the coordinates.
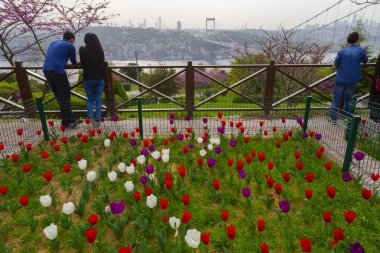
(210, 147)
(175, 223)
(200, 140)
(68, 208)
(151, 201)
(51, 231)
(130, 169)
(121, 167)
(202, 152)
(91, 176)
(151, 177)
(193, 238)
(107, 143)
(217, 141)
(129, 186)
(212, 140)
(165, 151)
(112, 176)
(165, 158)
(141, 159)
(82, 164)
(45, 200)
(155, 154)
(107, 209)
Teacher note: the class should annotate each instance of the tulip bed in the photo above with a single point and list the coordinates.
(104, 191)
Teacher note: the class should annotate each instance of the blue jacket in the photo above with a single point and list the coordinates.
(348, 62)
(58, 53)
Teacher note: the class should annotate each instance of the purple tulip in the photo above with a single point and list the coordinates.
(187, 117)
(151, 148)
(220, 129)
(284, 206)
(359, 155)
(149, 169)
(305, 135)
(347, 177)
(159, 159)
(318, 136)
(180, 137)
(144, 152)
(211, 162)
(242, 174)
(204, 140)
(101, 119)
(114, 118)
(246, 192)
(133, 142)
(356, 248)
(205, 120)
(218, 149)
(191, 146)
(144, 180)
(296, 148)
(299, 120)
(233, 143)
(117, 207)
(171, 122)
(205, 127)
(171, 115)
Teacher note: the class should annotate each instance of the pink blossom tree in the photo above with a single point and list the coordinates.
(27, 24)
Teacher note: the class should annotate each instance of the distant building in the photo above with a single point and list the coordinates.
(144, 26)
(159, 23)
(179, 25)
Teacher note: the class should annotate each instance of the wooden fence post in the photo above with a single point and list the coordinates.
(269, 87)
(25, 89)
(109, 90)
(189, 86)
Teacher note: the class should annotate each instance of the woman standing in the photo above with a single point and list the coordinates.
(92, 60)
(374, 95)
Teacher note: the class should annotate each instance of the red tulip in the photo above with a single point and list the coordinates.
(274, 128)
(283, 120)
(186, 217)
(299, 165)
(127, 249)
(248, 159)
(231, 231)
(285, 137)
(20, 131)
(200, 161)
(79, 135)
(230, 162)
(242, 130)
(261, 156)
(185, 149)
(164, 204)
(28, 146)
(261, 123)
(205, 237)
(93, 219)
(148, 191)
(165, 218)
(270, 182)
(328, 166)
(261, 225)
(223, 123)
(305, 244)
(264, 247)
(311, 133)
(3, 190)
(154, 129)
(246, 139)
(87, 121)
(220, 114)
(39, 132)
(308, 193)
(338, 235)
(375, 177)
(185, 199)
(286, 176)
(48, 175)
(290, 133)
(265, 132)
(327, 216)
(216, 184)
(319, 153)
(331, 191)
(270, 165)
(168, 176)
(366, 194)
(349, 216)
(225, 215)
(309, 177)
(26, 167)
(137, 196)
(297, 155)
(56, 147)
(182, 171)
(51, 123)
(99, 131)
(15, 158)
(67, 168)
(137, 129)
(24, 200)
(91, 132)
(44, 155)
(239, 164)
(63, 128)
(278, 188)
(91, 235)
(166, 142)
(64, 140)
(253, 153)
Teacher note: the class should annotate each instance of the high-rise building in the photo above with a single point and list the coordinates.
(179, 25)
(144, 26)
(159, 23)
(130, 23)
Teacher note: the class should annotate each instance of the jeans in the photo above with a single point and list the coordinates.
(346, 90)
(94, 89)
(60, 86)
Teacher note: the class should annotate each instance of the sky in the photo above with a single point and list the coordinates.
(229, 14)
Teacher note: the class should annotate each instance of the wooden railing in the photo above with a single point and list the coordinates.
(267, 104)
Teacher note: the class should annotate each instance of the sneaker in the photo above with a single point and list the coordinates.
(73, 125)
(95, 123)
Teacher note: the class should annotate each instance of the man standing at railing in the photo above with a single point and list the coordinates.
(347, 64)
(57, 56)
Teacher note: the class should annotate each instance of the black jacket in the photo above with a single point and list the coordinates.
(93, 69)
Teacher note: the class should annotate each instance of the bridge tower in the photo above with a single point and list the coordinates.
(210, 25)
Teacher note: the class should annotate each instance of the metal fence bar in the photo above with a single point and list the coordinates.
(351, 143)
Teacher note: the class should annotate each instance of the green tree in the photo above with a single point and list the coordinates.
(154, 76)
(132, 70)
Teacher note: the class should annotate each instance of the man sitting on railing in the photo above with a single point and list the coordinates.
(347, 64)
(59, 52)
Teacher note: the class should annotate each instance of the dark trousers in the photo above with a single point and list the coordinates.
(60, 86)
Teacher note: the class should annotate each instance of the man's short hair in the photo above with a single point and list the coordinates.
(353, 38)
(68, 35)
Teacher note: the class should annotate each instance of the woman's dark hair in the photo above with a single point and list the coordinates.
(94, 48)
(353, 38)
(68, 35)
